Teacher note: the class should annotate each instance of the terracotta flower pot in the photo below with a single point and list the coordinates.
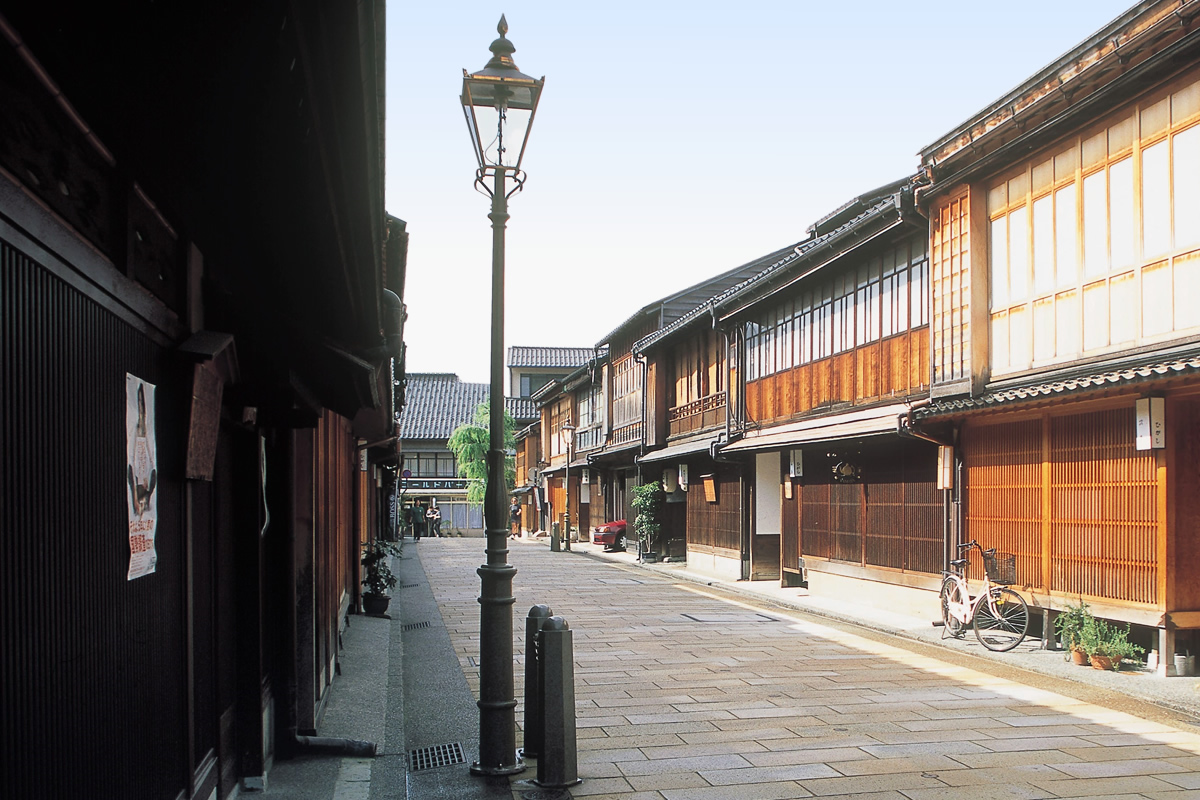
(1103, 662)
(1079, 658)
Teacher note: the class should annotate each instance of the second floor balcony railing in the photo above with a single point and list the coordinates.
(707, 412)
(589, 438)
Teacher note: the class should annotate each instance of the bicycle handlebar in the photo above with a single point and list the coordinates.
(974, 543)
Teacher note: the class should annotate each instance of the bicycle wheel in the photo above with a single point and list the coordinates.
(1001, 625)
(952, 593)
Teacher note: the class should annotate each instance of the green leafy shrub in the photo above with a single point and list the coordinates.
(1070, 623)
(377, 574)
(648, 502)
(1100, 638)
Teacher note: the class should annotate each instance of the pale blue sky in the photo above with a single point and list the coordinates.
(674, 141)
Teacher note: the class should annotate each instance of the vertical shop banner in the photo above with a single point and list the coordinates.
(141, 475)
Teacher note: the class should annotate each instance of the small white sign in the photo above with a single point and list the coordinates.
(945, 467)
(1151, 423)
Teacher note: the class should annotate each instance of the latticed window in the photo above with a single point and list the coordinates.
(883, 296)
(432, 465)
(1095, 245)
(627, 392)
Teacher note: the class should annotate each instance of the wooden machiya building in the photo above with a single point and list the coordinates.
(621, 377)
(200, 330)
(538, 372)
(688, 419)
(648, 407)
(1065, 259)
(556, 409)
(527, 488)
(829, 349)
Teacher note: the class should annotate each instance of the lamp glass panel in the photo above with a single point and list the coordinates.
(515, 126)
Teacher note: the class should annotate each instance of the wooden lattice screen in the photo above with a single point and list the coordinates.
(1073, 499)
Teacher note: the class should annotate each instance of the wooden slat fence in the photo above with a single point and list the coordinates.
(1073, 499)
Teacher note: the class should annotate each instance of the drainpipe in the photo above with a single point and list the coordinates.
(312, 745)
(906, 429)
(641, 359)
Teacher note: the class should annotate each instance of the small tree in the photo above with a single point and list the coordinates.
(469, 443)
(648, 502)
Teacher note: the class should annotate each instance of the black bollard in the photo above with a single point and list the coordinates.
(558, 765)
(534, 718)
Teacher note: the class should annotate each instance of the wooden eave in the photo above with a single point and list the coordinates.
(1075, 383)
(820, 255)
(257, 132)
(1147, 43)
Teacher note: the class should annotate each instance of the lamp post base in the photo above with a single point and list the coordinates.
(498, 771)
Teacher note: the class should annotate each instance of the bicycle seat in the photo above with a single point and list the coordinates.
(959, 562)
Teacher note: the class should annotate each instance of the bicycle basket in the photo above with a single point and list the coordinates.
(1001, 568)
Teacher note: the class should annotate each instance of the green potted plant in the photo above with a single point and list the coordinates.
(648, 502)
(1107, 644)
(377, 575)
(1069, 625)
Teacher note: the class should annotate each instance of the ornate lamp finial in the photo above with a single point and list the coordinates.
(502, 49)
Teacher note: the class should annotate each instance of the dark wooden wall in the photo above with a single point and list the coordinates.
(891, 518)
(93, 664)
(715, 525)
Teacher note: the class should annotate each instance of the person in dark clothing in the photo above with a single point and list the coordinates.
(434, 517)
(418, 522)
(514, 518)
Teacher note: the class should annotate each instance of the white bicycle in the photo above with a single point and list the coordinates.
(999, 615)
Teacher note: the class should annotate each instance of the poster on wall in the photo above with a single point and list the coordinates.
(141, 475)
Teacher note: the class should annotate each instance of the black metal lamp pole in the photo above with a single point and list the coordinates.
(498, 98)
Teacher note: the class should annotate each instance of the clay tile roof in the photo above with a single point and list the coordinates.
(437, 403)
(521, 408)
(1121, 376)
(548, 356)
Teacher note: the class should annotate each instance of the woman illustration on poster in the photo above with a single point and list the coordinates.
(141, 473)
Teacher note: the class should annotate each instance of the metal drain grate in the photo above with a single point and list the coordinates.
(412, 626)
(439, 755)
(409, 585)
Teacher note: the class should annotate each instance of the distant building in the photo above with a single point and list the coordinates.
(531, 368)
(437, 404)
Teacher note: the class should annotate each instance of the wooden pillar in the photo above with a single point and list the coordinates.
(303, 527)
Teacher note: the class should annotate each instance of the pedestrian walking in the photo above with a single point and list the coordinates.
(514, 518)
(434, 517)
(418, 522)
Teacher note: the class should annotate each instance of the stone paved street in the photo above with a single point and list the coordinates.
(687, 693)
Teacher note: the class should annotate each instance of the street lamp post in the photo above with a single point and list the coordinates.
(568, 433)
(499, 104)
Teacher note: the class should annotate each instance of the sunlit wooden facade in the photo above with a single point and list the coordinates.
(1065, 259)
(835, 343)
(702, 516)
(526, 489)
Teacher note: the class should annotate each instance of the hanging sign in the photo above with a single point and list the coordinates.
(141, 475)
(796, 464)
(945, 467)
(1151, 423)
